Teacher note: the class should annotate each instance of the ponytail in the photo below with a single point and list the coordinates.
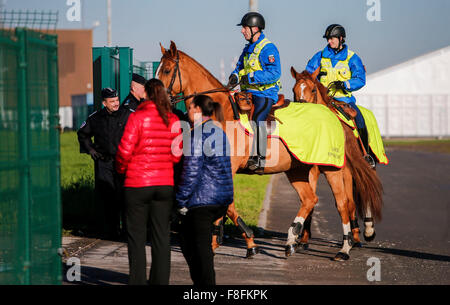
(209, 107)
(218, 112)
(157, 93)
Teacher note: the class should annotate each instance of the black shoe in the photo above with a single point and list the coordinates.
(370, 160)
(255, 163)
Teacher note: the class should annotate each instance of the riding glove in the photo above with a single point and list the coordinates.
(244, 80)
(233, 80)
(339, 85)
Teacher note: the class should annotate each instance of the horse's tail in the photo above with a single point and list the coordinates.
(368, 190)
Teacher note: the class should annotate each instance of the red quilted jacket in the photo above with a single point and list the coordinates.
(145, 152)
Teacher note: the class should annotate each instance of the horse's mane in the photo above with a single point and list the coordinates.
(202, 69)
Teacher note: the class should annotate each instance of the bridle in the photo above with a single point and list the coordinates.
(174, 76)
(176, 98)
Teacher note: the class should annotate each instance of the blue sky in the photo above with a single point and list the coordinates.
(206, 29)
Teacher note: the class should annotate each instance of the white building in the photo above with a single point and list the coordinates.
(411, 99)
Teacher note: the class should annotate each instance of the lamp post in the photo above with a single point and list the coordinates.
(108, 2)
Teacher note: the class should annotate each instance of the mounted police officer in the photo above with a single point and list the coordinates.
(137, 93)
(106, 126)
(258, 71)
(342, 71)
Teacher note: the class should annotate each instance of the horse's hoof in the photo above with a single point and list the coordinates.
(341, 257)
(290, 249)
(357, 245)
(252, 252)
(370, 238)
(302, 247)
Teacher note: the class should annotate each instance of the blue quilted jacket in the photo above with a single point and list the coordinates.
(206, 178)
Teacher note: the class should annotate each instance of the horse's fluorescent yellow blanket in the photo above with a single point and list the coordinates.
(311, 132)
(375, 141)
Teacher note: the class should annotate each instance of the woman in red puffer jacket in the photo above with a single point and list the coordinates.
(149, 147)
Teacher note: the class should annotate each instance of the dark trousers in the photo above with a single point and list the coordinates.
(110, 208)
(263, 105)
(151, 204)
(196, 238)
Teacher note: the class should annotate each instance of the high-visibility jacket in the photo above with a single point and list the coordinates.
(261, 62)
(344, 65)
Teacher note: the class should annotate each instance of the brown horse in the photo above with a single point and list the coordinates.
(308, 89)
(182, 74)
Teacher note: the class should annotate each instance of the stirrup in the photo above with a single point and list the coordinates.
(254, 163)
(370, 160)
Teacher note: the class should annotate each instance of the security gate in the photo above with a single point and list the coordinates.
(113, 67)
(30, 205)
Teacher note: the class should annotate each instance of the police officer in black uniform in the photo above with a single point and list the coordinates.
(137, 93)
(106, 126)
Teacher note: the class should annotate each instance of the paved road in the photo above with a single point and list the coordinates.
(412, 244)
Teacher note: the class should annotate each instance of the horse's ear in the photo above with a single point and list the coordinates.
(163, 51)
(315, 73)
(173, 48)
(293, 72)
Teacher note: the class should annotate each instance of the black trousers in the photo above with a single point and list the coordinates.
(152, 205)
(196, 238)
(110, 206)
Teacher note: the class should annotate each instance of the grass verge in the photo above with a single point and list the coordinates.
(429, 145)
(77, 191)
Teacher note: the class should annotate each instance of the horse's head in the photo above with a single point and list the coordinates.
(170, 70)
(305, 88)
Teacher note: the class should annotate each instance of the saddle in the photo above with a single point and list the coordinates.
(245, 104)
(345, 109)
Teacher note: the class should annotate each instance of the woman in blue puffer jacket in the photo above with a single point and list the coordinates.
(206, 187)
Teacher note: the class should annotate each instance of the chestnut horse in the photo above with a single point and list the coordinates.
(180, 73)
(308, 89)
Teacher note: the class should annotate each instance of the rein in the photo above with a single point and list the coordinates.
(176, 99)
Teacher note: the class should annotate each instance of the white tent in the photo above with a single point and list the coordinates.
(413, 98)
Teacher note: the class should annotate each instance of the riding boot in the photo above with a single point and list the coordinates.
(365, 141)
(257, 163)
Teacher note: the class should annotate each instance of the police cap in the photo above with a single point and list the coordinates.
(138, 79)
(109, 93)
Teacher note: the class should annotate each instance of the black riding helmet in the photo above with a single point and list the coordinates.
(253, 19)
(334, 30)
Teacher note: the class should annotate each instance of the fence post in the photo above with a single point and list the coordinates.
(55, 171)
(22, 110)
(126, 70)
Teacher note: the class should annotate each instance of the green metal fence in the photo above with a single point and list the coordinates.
(30, 204)
(113, 67)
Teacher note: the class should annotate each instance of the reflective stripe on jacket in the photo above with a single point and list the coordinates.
(261, 62)
(344, 66)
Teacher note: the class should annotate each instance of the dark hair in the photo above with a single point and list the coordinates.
(209, 107)
(157, 93)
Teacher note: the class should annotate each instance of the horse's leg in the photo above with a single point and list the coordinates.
(299, 180)
(335, 179)
(369, 229)
(218, 234)
(348, 184)
(247, 232)
(306, 233)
